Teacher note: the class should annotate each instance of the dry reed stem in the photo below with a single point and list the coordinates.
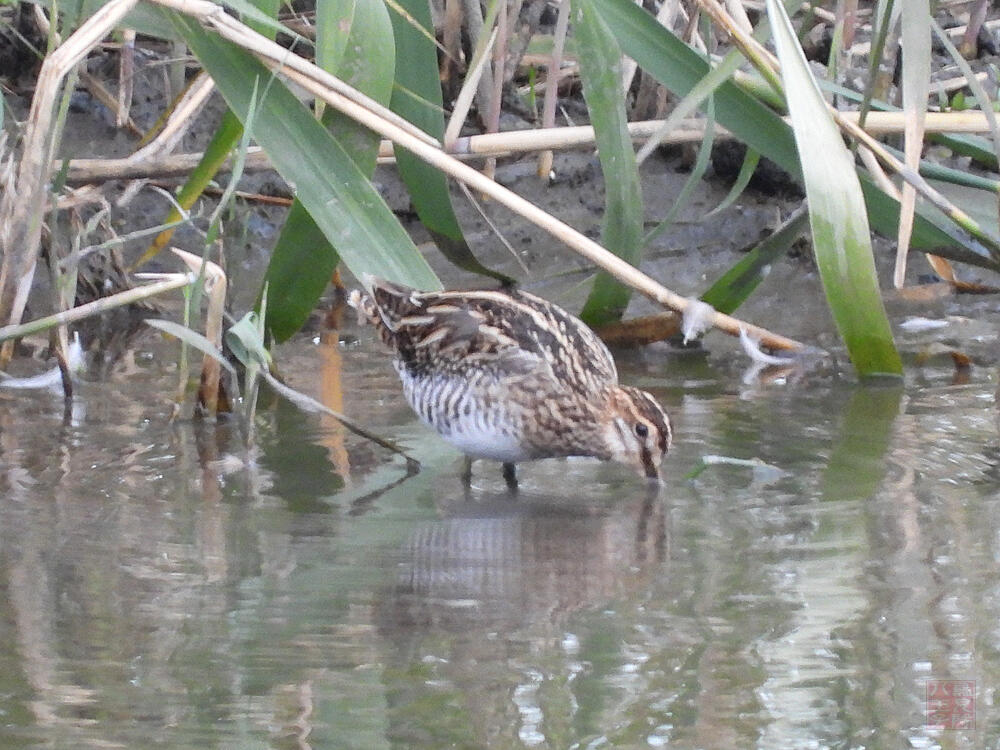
(180, 120)
(227, 27)
(739, 14)
(821, 13)
(174, 165)
(474, 23)
(109, 100)
(97, 307)
(877, 173)
(451, 40)
(126, 76)
(21, 210)
(641, 331)
(916, 36)
(847, 17)
(975, 84)
(466, 147)
(575, 136)
(495, 101)
(524, 24)
(267, 200)
(751, 48)
(881, 123)
(977, 15)
(91, 82)
(914, 178)
(553, 73)
(507, 143)
(154, 158)
(463, 102)
(942, 267)
(948, 85)
(315, 80)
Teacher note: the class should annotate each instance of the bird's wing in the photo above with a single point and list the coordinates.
(513, 334)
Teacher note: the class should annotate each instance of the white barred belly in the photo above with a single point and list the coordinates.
(462, 414)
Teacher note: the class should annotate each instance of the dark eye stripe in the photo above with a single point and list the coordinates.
(662, 425)
(664, 437)
(649, 409)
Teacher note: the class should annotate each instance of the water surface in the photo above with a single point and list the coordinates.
(163, 585)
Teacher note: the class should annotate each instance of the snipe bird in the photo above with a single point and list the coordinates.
(507, 376)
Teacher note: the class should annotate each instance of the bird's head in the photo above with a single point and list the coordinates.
(637, 430)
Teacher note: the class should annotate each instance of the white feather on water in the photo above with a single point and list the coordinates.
(51, 378)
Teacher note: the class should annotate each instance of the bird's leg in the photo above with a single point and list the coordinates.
(467, 471)
(510, 476)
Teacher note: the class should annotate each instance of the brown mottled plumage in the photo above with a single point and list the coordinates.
(511, 377)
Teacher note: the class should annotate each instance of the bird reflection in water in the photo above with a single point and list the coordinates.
(482, 619)
(493, 562)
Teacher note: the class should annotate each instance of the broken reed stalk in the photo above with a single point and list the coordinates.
(315, 81)
(21, 214)
(92, 82)
(181, 117)
(216, 285)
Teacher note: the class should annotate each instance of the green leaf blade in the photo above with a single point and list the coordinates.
(192, 338)
(334, 23)
(362, 53)
(665, 57)
(601, 72)
(837, 214)
(733, 288)
(337, 194)
(417, 98)
(301, 266)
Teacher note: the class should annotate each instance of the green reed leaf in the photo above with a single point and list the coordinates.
(418, 98)
(750, 161)
(739, 282)
(837, 214)
(337, 194)
(665, 57)
(354, 41)
(621, 233)
(192, 338)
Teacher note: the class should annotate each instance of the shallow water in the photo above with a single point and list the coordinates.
(163, 586)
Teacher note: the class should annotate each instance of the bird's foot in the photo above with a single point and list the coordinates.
(510, 476)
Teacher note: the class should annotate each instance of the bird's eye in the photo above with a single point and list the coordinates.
(641, 430)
